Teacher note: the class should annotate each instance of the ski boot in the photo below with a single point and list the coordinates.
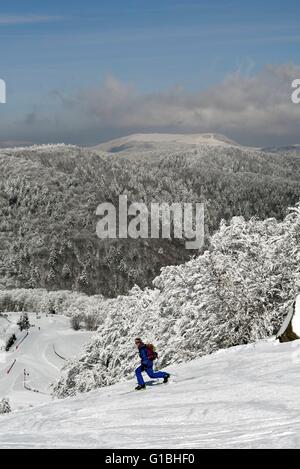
(140, 387)
(166, 378)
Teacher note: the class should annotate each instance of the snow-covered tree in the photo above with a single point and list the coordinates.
(51, 275)
(66, 272)
(236, 292)
(5, 406)
(76, 319)
(23, 322)
(10, 342)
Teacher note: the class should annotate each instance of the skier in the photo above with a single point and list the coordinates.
(147, 355)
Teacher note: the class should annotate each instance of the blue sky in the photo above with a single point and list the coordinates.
(54, 49)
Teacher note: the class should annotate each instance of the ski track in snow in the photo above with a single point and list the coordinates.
(243, 397)
(36, 355)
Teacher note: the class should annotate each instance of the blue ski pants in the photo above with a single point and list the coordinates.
(149, 370)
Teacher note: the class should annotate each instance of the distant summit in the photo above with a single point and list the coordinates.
(152, 140)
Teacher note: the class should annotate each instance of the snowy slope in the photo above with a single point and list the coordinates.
(36, 354)
(243, 397)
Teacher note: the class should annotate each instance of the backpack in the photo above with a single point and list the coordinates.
(152, 355)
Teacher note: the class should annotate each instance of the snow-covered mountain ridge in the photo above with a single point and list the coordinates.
(155, 139)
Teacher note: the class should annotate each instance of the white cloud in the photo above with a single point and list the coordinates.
(254, 109)
(255, 105)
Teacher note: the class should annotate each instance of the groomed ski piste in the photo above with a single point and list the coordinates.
(242, 397)
(36, 358)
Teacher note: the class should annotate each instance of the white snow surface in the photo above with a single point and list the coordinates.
(36, 355)
(243, 397)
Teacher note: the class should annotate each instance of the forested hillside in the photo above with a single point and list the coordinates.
(49, 194)
(237, 292)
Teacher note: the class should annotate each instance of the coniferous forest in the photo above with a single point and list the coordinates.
(49, 196)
